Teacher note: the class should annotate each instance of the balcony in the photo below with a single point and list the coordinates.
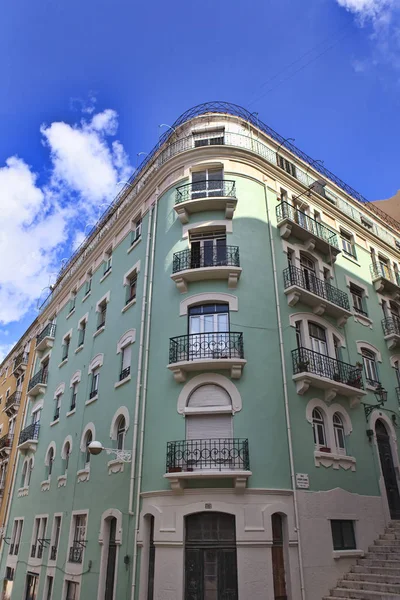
(385, 280)
(202, 264)
(205, 195)
(76, 553)
(315, 235)
(28, 438)
(391, 331)
(329, 374)
(303, 286)
(6, 445)
(45, 339)
(206, 351)
(219, 458)
(13, 403)
(38, 384)
(20, 364)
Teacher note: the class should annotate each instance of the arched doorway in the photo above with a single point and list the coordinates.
(388, 470)
(210, 557)
(278, 558)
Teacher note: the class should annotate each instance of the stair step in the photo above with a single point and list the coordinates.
(377, 570)
(363, 594)
(377, 577)
(382, 561)
(369, 586)
(387, 542)
(385, 548)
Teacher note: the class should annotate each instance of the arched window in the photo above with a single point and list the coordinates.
(29, 472)
(318, 339)
(67, 452)
(121, 428)
(88, 440)
(23, 475)
(318, 428)
(338, 429)
(50, 460)
(370, 367)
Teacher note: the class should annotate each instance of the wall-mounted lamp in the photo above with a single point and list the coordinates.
(96, 448)
(370, 434)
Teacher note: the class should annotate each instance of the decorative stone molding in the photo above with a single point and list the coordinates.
(331, 388)
(327, 459)
(177, 480)
(209, 378)
(234, 365)
(115, 466)
(61, 481)
(184, 277)
(208, 297)
(83, 475)
(23, 491)
(45, 485)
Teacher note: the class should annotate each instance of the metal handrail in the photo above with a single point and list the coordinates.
(216, 454)
(195, 346)
(15, 398)
(197, 258)
(307, 280)
(29, 433)
(284, 210)
(48, 331)
(308, 361)
(391, 325)
(40, 377)
(21, 359)
(76, 553)
(6, 441)
(208, 188)
(124, 373)
(379, 270)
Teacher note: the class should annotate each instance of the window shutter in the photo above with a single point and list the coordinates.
(209, 395)
(126, 357)
(206, 427)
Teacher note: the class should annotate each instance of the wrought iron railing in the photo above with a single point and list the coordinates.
(197, 258)
(380, 270)
(205, 189)
(53, 553)
(93, 393)
(56, 414)
(284, 210)
(308, 361)
(6, 441)
(29, 433)
(40, 377)
(13, 400)
(360, 311)
(391, 325)
(21, 359)
(76, 553)
(48, 331)
(14, 548)
(308, 281)
(217, 454)
(40, 551)
(197, 346)
(124, 373)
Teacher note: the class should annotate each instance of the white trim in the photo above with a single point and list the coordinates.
(52, 445)
(68, 334)
(84, 318)
(60, 389)
(357, 283)
(121, 412)
(206, 297)
(394, 358)
(329, 412)
(204, 379)
(111, 512)
(132, 270)
(103, 541)
(105, 298)
(68, 439)
(95, 363)
(207, 225)
(301, 316)
(126, 339)
(89, 427)
(361, 344)
(76, 378)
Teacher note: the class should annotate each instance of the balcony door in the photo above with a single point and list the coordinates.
(209, 331)
(210, 557)
(208, 249)
(32, 584)
(207, 183)
(308, 273)
(320, 347)
(388, 469)
(209, 438)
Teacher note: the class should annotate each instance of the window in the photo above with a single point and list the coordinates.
(71, 590)
(55, 537)
(102, 314)
(16, 536)
(50, 461)
(348, 243)
(367, 223)
(208, 138)
(152, 556)
(88, 285)
(121, 429)
(108, 261)
(137, 230)
(67, 454)
(88, 440)
(125, 362)
(370, 367)
(343, 535)
(57, 408)
(209, 331)
(286, 165)
(318, 339)
(49, 587)
(283, 195)
(39, 535)
(29, 472)
(72, 302)
(208, 249)
(79, 539)
(94, 389)
(131, 288)
(357, 295)
(298, 335)
(207, 183)
(73, 396)
(330, 196)
(65, 349)
(338, 429)
(82, 331)
(318, 429)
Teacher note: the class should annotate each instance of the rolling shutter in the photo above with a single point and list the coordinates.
(206, 427)
(209, 395)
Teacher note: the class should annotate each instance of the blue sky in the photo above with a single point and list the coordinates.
(84, 86)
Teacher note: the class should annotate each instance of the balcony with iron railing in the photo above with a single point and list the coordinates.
(12, 403)
(391, 331)
(216, 194)
(204, 264)
(38, 384)
(76, 553)
(217, 458)
(28, 438)
(6, 444)
(293, 222)
(206, 351)
(335, 377)
(385, 279)
(20, 363)
(45, 339)
(303, 286)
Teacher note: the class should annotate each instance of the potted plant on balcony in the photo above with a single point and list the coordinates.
(174, 469)
(325, 449)
(302, 365)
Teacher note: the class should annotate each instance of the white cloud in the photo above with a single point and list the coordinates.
(5, 349)
(369, 9)
(42, 224)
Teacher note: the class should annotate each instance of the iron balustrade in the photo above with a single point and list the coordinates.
(197, 258)
(48, 331)
(284, 210)
(378, 270)
(14, 548)
(125, 373)
(56, 414)
(195, 346)
(76, 553)
(40, 377)
(391, 325)
(308, 361)
(308, 281)
(6, 441)
(210, 188)
(218, 453)
(360, 311)
(29, 433)
(53, 553)
(13, 400)
(21, 359)
(93, 393)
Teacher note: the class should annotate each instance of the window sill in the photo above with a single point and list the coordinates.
(71, 412)
(371, 388)
(91, 400)
(23, 491)
(115, 466)
(62, 363)
(350, 258)
(86, 296)
(330, 459)
(45, 485)
(119, 383)
(55, 422)
(99, 331)
(71, 312)
(347, 554)
(127, 306)
(79, 348)
(364, 320)
(106, 275)
(61, 481)
(133, 246)
(83, 475)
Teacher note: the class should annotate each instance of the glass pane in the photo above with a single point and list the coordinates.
(194, 324)
(208, 323)
(222, 322)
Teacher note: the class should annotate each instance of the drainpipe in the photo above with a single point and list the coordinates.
(139, 372)
(286, 401)
(144, 398)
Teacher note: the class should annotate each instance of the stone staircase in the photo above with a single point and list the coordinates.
(377, 575)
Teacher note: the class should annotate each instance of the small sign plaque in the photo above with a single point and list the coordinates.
(302, 481)
(208, 506)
